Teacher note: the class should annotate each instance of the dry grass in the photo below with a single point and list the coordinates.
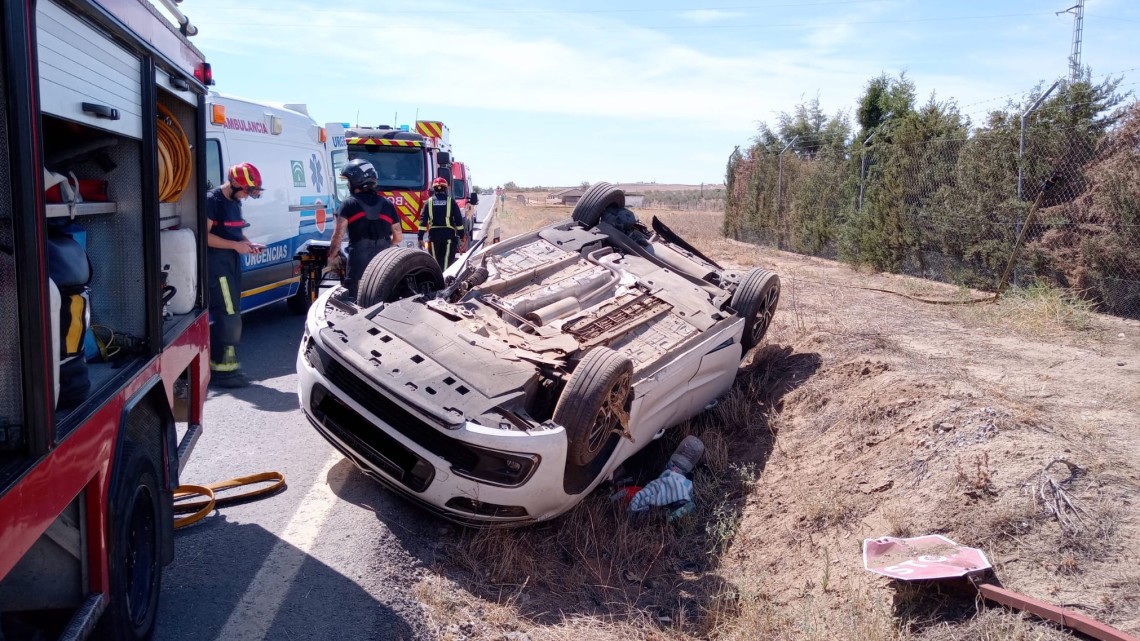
(597, 568)
(863, 415)
(1037, 311)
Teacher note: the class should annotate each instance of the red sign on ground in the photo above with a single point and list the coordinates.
(924, 557)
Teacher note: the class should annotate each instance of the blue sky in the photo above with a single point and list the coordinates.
(554, 93)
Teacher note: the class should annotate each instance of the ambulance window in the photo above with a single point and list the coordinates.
(213, 164)
(339, 159)
(459, 188)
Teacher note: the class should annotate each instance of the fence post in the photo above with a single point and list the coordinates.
(1021, 163)
(1021, 146)
(780, 190)
(863, 170)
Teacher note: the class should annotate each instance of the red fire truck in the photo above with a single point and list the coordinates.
(102, 376)
(406, 163)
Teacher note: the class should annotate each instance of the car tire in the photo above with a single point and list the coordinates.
(755, 300)
(594, 405)
(306, 295)
(398, 272)
(597, 199)
(134, 546)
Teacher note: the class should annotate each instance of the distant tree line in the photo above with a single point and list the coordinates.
(707, 199)
(920, 189)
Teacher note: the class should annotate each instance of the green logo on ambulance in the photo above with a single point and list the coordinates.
(298, 169)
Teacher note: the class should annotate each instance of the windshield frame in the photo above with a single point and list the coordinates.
(392, 168)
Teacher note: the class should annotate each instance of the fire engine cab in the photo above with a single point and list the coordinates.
(406, 162)
(103, 354)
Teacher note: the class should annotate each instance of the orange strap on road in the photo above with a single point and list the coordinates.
(202, 508)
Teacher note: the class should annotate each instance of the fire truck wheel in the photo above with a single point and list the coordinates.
(398, 272)
(595, 202)
(134, 549)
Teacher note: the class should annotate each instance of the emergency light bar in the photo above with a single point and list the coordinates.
(204, 74)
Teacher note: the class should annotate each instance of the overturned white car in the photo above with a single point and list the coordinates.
(507, 394)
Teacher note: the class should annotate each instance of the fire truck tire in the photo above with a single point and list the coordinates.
(398, 272)
(597, 199)
(134, 547)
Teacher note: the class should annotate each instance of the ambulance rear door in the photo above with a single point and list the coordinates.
(294, 207)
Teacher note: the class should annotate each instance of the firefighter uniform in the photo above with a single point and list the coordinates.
(224, 268)
(370, 219)
(443, 220)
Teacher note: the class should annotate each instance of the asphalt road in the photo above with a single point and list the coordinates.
(334, 556)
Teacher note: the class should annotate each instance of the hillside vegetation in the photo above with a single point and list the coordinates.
(920, 189)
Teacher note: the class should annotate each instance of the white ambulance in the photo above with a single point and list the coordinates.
(295, 212)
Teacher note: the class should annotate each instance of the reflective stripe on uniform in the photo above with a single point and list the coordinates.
(226, 294)
(229, 361)
(446, 214)
(357, 216)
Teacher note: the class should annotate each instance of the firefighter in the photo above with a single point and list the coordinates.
(369, 219)
(442, 221)
(226, 243)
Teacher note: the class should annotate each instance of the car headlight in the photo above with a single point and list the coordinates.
(496, 467)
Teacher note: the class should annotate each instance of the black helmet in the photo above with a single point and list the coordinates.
(359, 173)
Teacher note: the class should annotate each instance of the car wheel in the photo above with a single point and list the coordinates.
(134, 548)
(756, 299)
(595, 202)
(594, 406)
(398, 272)
(307, 291)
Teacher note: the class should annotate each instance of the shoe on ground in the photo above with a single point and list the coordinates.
(687, 454)
(229, 380)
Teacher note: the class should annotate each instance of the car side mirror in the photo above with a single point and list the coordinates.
(443, 158)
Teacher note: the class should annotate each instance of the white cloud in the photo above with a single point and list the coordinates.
(588, 69)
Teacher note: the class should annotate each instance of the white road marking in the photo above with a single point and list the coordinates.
(252, 617)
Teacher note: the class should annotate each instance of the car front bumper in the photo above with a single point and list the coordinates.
(394, 444)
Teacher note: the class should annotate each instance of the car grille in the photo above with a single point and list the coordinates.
(466, 460)
(364, 438)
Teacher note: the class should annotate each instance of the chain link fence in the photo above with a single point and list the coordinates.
(953, 207)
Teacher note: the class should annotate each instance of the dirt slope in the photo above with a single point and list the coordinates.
(866, 414)
(927, 419)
